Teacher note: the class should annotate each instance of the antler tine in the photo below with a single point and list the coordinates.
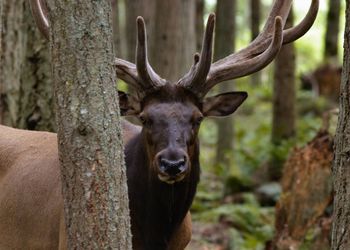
(239, 69)
(294, 33)
(140, 76)
(39, 11)
(264, 48)
(279, 8)
(127, 72)
(197, 75)
(149, 79)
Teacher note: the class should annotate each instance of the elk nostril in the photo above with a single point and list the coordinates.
(172, 167)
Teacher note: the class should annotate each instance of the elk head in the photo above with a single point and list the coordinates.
(171, 113)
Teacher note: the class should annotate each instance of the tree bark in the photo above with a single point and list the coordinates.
(225, 45)
(255, 13)
(13, 52)
(174, 39)
(332, 31)
(36, 104)
(89, 134)
(305, 197)
(284, 113)
(26, 88)
(116, 26)
(255, 16)
(341, 165)
(200, 5)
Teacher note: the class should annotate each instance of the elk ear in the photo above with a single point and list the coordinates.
(129, 105)
(223, 104)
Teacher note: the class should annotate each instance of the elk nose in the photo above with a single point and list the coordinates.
(172, 167)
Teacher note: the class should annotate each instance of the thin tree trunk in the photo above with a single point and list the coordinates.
(225, 45)
(255, 13)
(332, 31)
(284, 114)
(89, 134)
(174, 39)
(135, 8)
(341, 165)
(116, 27)
(200, 5)
(255, 16)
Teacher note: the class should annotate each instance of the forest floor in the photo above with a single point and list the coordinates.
(209, 236)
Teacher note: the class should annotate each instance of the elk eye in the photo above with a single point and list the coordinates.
(145, 120)
(142, 119)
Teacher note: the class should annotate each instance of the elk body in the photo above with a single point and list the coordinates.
(162, 155)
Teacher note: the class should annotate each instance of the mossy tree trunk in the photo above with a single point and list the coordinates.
(341, 165)
(89, 134)
(225, 45)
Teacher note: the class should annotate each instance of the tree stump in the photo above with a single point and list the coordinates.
(306, 193)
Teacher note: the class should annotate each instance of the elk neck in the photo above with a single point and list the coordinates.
(157, 208)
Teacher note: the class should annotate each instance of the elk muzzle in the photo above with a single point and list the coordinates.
(172, 165)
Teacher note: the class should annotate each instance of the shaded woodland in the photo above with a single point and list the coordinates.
(266, 172)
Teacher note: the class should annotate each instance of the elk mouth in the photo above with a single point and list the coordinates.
(171, 179)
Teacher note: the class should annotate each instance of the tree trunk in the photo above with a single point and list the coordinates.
(13, 52)
(26, 88)
(174, 39)
(89, 134)
(116, 26)
(135, 8)
(304, 202)
(255, 13)
(332, 31)
(36, 104)
(224, 45)
(283, 121)
(341, 165)
(200, 4)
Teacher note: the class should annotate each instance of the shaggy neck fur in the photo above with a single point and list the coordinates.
(157, 208)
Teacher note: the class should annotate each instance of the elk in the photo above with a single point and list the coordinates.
(162, 155)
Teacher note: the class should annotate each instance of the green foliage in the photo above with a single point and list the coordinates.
(251, 227)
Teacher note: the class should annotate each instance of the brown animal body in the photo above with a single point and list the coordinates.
(31, 203)
(162, 156)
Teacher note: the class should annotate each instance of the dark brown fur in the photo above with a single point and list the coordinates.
(157, 208)
(171, 118)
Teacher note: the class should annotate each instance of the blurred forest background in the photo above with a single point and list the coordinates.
(266, 171)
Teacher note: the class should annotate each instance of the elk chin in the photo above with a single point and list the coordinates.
(171, 180)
